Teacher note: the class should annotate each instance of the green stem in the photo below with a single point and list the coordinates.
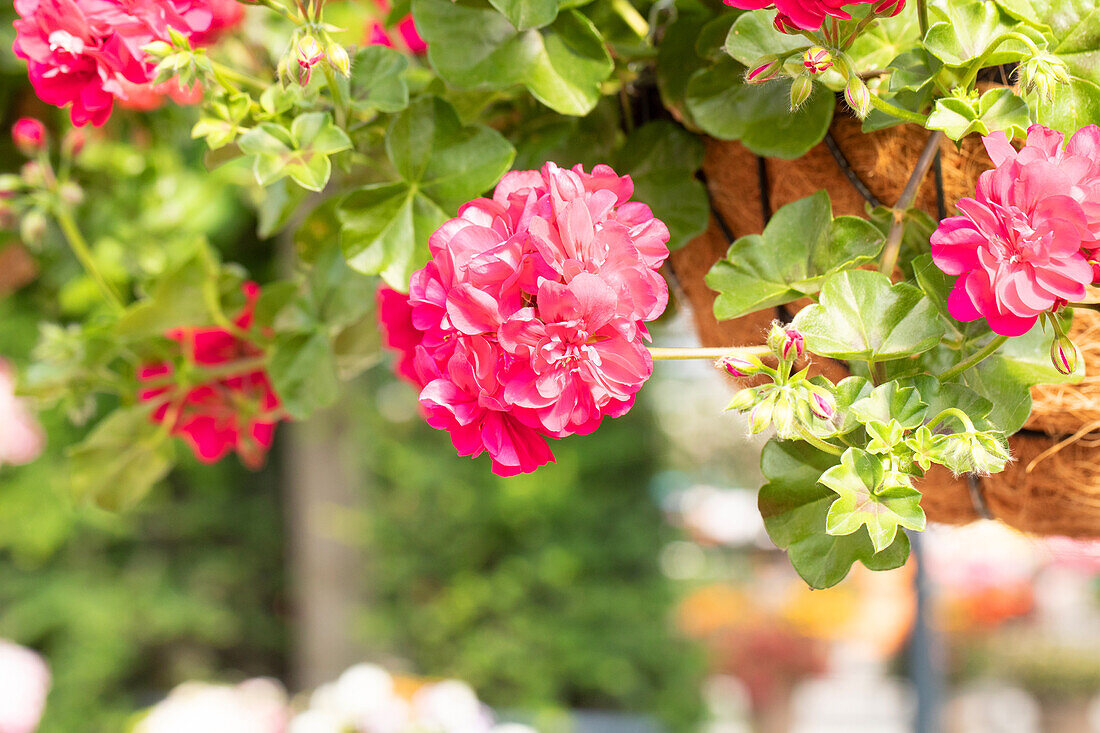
(954, 412)
(972, 73)
(974, 358)
(818, 443)
(897, 228)
(660, 353)
(902, 114)
(223, 73)
(875, 369)
(922, 17)
(80, 248)
(339, 101)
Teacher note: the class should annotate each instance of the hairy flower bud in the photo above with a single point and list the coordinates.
(32, 229)
(858, 97)
(817, 60)
(71, 193)
(1043, 74)
(822, 405)
(783, 416)
(737, 365)
(1063, 354)
(786, 342)
(764, 69)
(761, 416)
(801, 89)
(744, 399)
(308, 55)
(32, 174)
(338, 57)
(29, 135)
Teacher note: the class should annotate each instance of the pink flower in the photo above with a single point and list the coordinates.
(88, 53)
(1023, 245)
(808, 15)
(529, 321)
(26, 681)
(237, 410)
(377, 35)
(29, 135)
(21, 437)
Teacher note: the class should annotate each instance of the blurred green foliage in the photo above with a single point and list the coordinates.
(539, 590)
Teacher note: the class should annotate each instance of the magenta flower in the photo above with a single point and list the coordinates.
(529, 321)
(808, 15)
(88, 53)
(1023, 245)
(29, 135)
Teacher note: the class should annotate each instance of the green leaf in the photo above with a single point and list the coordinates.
(800, 247)
(121, 459)
(302, 368)
(677, 60)
(997, 109)
(1074, 34)
(301, 152)
(662, 159)
(795, 506)
(758, 115)
(891, 401)
(527, 14)
(377, 81)
(1074, 106)
(863, 316)
(472, 47)
(753, 36)
(864, 501)
(337, 295)
(385, 227)
(180, 297)
(964, 29)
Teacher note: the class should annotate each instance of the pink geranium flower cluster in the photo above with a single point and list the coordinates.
(377, 35)
(529, 321)
(235, 409)
(793, 16)
(88, 53)
(1030, 239)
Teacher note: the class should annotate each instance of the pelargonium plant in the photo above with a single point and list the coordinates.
(500, 184)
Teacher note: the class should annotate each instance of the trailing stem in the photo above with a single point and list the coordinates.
(905, 202)
(84, 255)
(974, 359)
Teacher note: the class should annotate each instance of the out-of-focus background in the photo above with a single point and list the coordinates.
(628, 588)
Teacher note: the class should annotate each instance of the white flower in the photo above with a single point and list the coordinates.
(254, 706)
(24, 682)
(450, 707)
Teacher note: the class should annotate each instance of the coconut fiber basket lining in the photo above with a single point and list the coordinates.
(1053, 486)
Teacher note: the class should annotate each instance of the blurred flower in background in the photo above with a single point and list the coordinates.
(253, 706)
(24, 682)
(21, 437)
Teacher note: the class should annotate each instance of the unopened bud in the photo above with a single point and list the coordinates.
(783, 416)
(786, 342)
(744, 399)
(1063, 354)
(858, 97)
(29, 135)
(32, 174)
(73, 142)
(740, 366)
(822, 405)
(801, 89)
(764, 69)
(9, 184)
(308, 55)
(1043, 74)
(158, 50)
(338, 57)
(32, 229)
(817, 59)
(71, 193)
(761, 416)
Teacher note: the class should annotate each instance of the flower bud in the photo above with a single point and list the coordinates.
(822, 405)
(889, 8)
(801, 88)
(1043, 74)
(9, 184)
(71, 193)
(32, 174)
(858, 97)
(73, 142)
(740, 366)
(761, 416)
(786, 342)
(817, 59)
(743, 399)
(1063, 354)
(764, 69)
(783, 416)
(158, 50)
(338, 57)
(29, 135)
(308, 55)
(32, 229)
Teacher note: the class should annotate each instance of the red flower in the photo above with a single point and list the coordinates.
(230, 410)
(29, 135)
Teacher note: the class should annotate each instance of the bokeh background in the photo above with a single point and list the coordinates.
(628, 588)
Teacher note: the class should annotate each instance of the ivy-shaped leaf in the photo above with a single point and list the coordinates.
(800, 247)
(863, 316)
(795, 506)
(997, 109)
(662, 159)
(753, 35)
(385, 227)
(377, 80)
(302, 152)
(870, 497)
(527, 14)
(965, 29)
(123, 457)
(476, 47)
(183, 296)
(891, 401)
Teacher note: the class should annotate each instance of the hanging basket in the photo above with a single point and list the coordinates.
(1053, 485)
